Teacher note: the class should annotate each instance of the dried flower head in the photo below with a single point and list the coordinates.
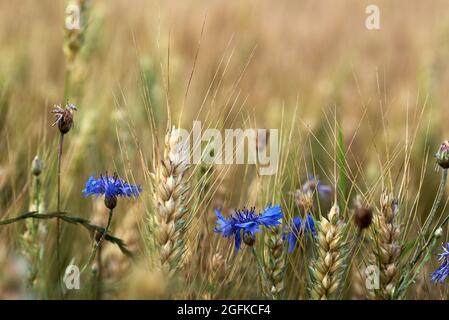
(64, 117)
(248, 222)
(313, 184)
(304, 200)
(440, 274)
(363, 214)
(442, 155)
(111, 187)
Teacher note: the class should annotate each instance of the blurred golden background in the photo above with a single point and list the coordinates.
(256, 62)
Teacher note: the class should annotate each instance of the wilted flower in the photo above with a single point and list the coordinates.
(297, 228)
(363, 214)
(443, 270)
(363, 217)
(442, 155)
(248, 222)
(64, 117)
(111, 187)
(313, 184)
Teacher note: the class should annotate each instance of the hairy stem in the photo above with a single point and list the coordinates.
(97, 244)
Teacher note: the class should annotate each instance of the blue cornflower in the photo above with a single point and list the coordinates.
(443, 270)
(247, 221)
(111, 187)
(297, 227)
(313, 184)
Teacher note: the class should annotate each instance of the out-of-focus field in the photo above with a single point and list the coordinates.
(257, 64)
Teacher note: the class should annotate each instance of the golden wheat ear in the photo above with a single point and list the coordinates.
(327, 268)
(386, 248)
(170, 198)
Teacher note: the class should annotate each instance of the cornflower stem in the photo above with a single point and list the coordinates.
(430, 242)
(262, 273)
(98, 243)
(437, 202)
(58, 224)
(98, 288)
(67, 77)
(409, 280)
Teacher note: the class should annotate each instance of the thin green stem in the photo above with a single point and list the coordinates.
(437, 201)
(406, 280)
(99, 284)
(262, 273)
(67, 81)
(58, 226)
(432, 213)
(97, 244)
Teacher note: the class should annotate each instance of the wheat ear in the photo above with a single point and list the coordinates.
(386, 246)
(170, 197)
(275, 263)
(327, 268)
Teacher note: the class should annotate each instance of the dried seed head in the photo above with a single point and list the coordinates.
(304, 200)
(64, 117)
(442, 156)
(36, 166)
(249, 239)
(363, 214)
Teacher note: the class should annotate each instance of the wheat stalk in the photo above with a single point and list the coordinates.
(386, 246)
(170, 198)
(327, 268)
(216, 275)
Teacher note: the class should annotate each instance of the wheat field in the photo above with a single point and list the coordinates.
(97, 200)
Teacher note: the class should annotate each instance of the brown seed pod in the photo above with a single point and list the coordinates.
(363, 216)
(64, 117)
